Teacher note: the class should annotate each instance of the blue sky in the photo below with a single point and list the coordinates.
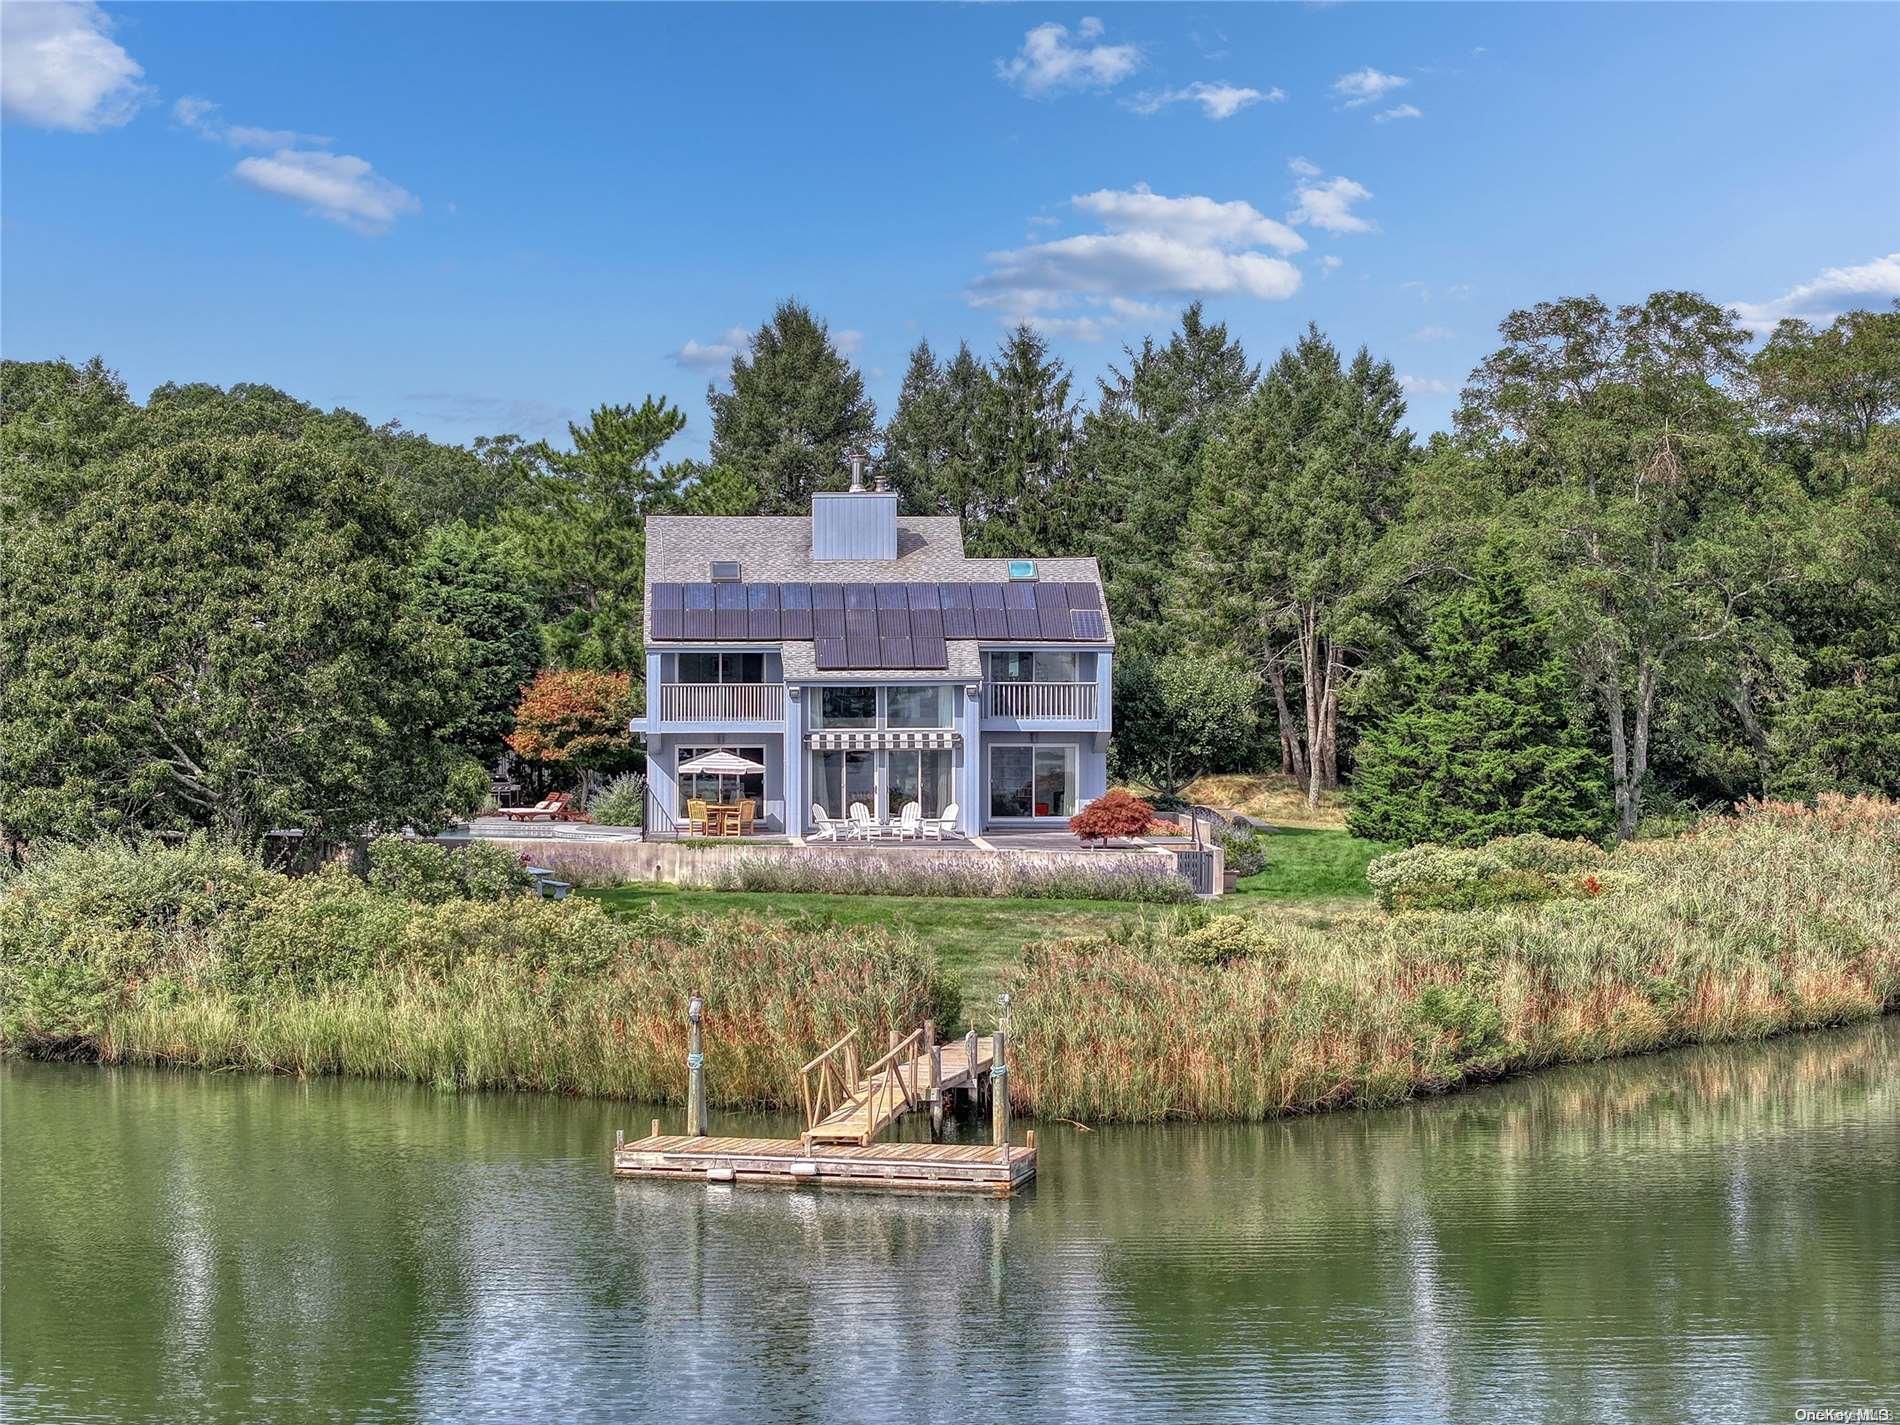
(484, 218)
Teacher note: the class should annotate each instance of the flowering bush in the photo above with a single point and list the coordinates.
(622, 802)
(1533, 851)
(1010, 874)
(1115, 813)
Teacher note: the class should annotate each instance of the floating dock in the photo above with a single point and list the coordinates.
(786, 1162)
(846, 1108)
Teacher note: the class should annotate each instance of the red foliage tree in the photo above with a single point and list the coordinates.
(576, 717)
(1116, 813)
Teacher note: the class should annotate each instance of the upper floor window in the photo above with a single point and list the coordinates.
(922, 705)
(918, 705)
(844, 707)
(721, 668)
(1040, 666)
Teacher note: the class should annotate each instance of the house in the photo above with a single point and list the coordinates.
(859, 655)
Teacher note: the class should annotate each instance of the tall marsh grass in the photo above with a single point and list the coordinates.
(1118, 876)
(194, 956)
(1781, 917)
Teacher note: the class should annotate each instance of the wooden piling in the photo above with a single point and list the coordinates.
(999, 1097)
(934, 1052)
(695, 1070)
(656, 1129)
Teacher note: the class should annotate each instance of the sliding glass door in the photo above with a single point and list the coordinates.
(841, 778)
(1032, 780)
(885, 782)
(923, 776)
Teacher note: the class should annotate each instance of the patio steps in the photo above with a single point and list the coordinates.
(880, 1100)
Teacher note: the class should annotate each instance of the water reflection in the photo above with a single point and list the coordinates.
(1712, 1233)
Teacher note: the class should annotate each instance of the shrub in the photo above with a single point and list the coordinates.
(1015, 875)
(1246, 850)
(622, 802)
(1114, 813)
(1533, 851)
(470, 788)
(1223, 938)
(428, 872)
(1431, 872)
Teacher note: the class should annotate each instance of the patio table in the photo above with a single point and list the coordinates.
(722, 820)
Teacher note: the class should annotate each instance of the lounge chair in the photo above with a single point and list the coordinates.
(823, 828)
(935, 828)
(910, 821)
(550, 808)
(746, 815)
(863, 828)
(695, 817)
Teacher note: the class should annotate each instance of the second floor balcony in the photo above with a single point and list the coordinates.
(722, 702)
(1032, 700)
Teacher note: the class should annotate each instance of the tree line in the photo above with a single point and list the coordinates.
(1650, 568)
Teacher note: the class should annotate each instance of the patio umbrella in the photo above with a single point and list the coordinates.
(720, 764)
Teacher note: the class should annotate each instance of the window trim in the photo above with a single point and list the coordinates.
(1071, 765)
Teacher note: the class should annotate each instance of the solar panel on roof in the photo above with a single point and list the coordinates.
(828, 653)
(669, 596)
(698, 622)
(897, 653)
(669, 623)
(1052, 611)
(1023, 623)
(1087, 623)
(893, 623)
(929, 652)
(827, 623)
(926, 623)
(729, 617)
(862, 651)
(827, 596)
(923, 596)
(991, 623)
(1084, 596)
(860, 623)
(959, 619)
(891, 596)
(762, 615)
(1017, 596)
(859, 596)
(794, 611)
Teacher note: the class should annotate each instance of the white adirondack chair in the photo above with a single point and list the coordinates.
(910, 821)
(935, 828)
(823, 827)
(862, 828)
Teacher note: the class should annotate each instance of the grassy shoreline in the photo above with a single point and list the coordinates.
(1785, 918)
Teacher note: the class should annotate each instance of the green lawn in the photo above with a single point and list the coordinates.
(980, 941)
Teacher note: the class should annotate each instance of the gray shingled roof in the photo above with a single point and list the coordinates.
(776, 549)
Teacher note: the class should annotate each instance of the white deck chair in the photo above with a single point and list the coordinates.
(823, 827)
(935, 828)
(862, 828)
(910, 821)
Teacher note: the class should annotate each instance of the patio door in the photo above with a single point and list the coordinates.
(1032, 781)
(841, 777)
(920, 775)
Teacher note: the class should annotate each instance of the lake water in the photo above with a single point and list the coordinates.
(1710, 1235)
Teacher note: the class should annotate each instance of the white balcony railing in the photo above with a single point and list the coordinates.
(1051, 700)
(722, 702)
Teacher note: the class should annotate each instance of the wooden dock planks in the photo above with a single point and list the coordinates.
(897, 1167)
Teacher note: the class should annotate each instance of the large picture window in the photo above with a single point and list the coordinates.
(1028, 781)
(927, 705)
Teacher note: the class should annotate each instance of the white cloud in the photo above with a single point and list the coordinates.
(1362, 86)
(1152, 245)
(1433, 334)
(1403, 111)
(60, 68)
(1305, 168)
(1218, 100)
(713, 355)
(202, 118)
(339, 187)
(1048, 63)
(1424, 386)
(1330, 264)
(1823, 298)
(1329, 205)
(1190, 219)
(849, 341)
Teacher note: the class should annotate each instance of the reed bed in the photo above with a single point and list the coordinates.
(1016, 875)
(196, 957)
(1781, 917)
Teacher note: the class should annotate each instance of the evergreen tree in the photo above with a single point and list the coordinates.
(1485, 739)
(1293, 497)
(930, 454)
(1143, 445)
(795, 410)
(1027, 499)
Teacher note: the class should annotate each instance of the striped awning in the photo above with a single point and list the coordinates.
(865, 739)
